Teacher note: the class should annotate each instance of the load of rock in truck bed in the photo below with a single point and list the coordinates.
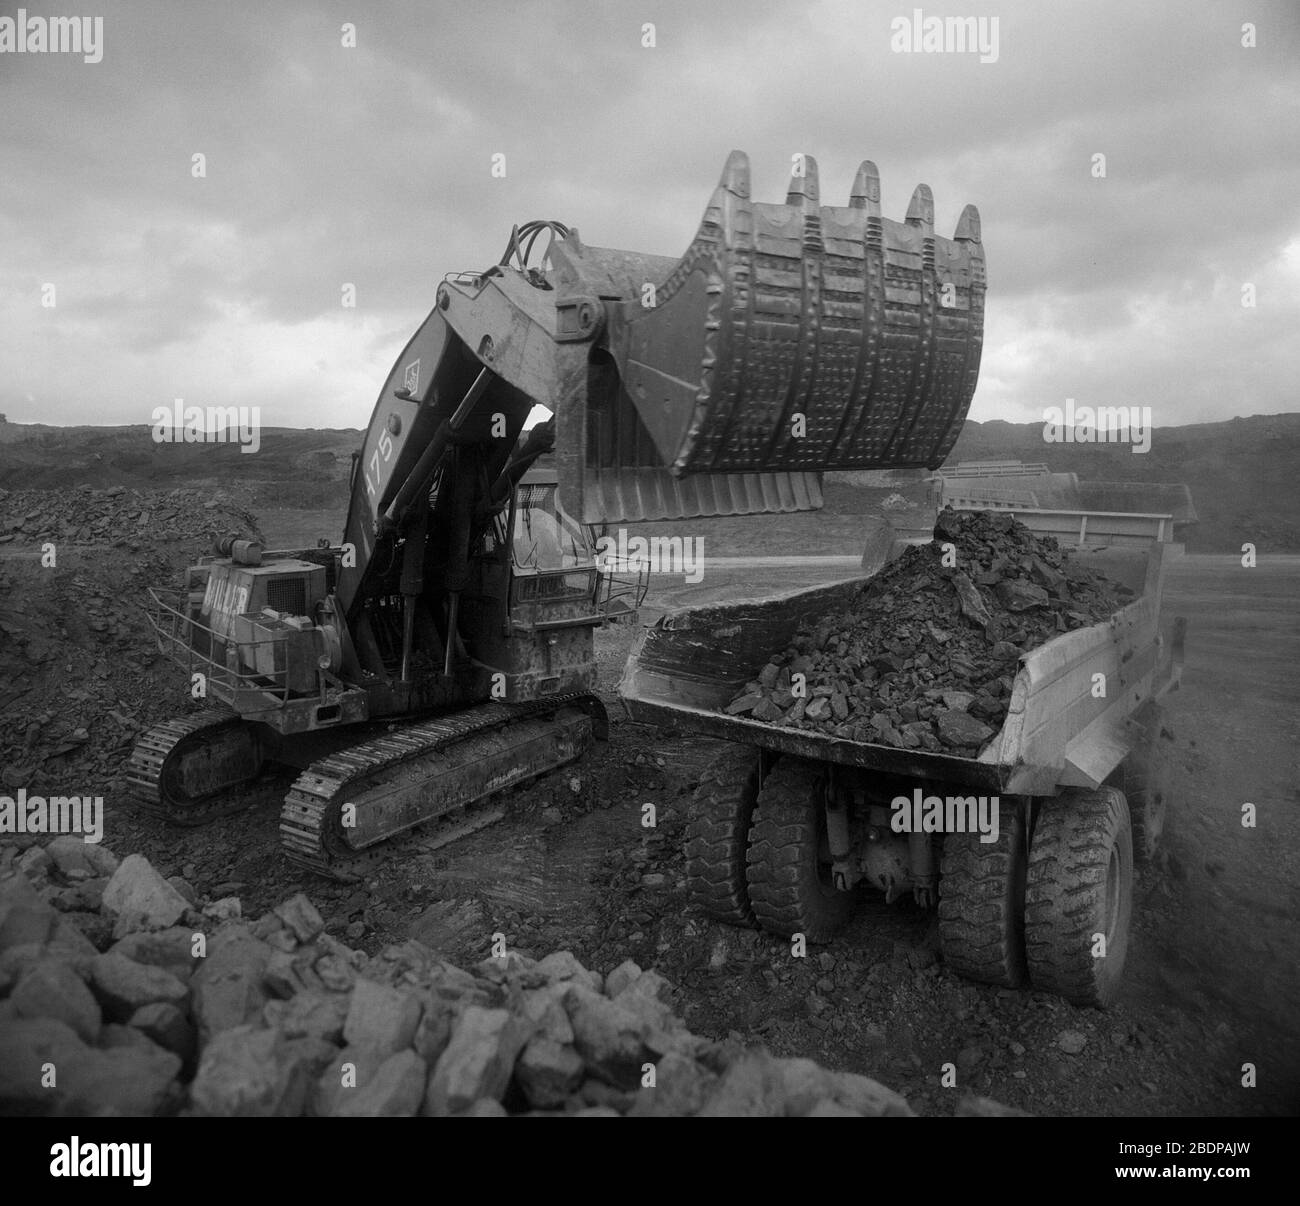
(924, 656)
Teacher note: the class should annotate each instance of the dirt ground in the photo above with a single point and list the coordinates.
(1213, 971)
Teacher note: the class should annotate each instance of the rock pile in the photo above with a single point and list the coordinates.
(925, 655)
(80, 674)
(119, 517)
(119, 995)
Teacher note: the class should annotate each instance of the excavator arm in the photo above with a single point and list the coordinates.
(790, 339)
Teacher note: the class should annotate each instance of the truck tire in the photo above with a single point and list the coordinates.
(1079, 885)
(788, 868)
(982, 903)
(718, 836)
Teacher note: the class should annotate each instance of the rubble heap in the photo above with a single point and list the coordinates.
(924, 656)
(143, 1003)
(80, 671)
(120, 517)
(80, 674)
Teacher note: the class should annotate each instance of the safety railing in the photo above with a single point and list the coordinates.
(261, 680)
(620, 595)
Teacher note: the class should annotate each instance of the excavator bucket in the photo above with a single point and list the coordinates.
(790, 339)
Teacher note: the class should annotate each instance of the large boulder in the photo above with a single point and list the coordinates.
(132, 1082)
(25, 919)
(752, 1087)
(227, 987)
(548, 1072)
(122, 986)
(141, 899)
(51, 989)
(171, 949)
(74, 857)
(309, 1014)
(301, 917)
(607, 1035)
(381, 1018)
(478, 1061)
(31, 1052)
(564, 965)
(394, 1091)
(167, 1025)
(682, 1085)
(245, 1072)
(46, 1069)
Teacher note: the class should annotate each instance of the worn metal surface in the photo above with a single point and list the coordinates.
(869, 328)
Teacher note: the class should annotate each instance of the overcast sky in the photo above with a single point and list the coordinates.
(371, 165)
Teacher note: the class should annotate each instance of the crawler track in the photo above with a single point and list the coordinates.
(442, 773)
(194, 769)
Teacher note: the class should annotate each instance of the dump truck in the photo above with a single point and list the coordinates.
(442, 650)
(787, 824)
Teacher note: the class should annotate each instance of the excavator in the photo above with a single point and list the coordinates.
(443, 651)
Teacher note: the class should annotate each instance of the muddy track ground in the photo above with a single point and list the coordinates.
(1212, 975)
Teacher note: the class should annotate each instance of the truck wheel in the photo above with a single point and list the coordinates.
(789, 864)
(1144, 787)
(982, 903)
(718, 836)
(1079, 886)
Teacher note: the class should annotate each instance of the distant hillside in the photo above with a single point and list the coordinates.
(291, 467)
(1243, 473)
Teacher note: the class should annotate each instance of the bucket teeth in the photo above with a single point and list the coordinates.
(735, 174)
(797, 337)
(968, 225)
(920, 211)
(803, 190)
(866, 188)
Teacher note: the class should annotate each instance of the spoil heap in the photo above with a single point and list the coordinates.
(924, 656)
(118, 516)
(80, 671)
(151, 1000)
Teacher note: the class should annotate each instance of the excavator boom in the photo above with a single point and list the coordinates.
(790, 339)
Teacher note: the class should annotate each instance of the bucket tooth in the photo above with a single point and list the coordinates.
(803, 190)
(866, 188)
(920, 210)
(968, 225)
(735, 174)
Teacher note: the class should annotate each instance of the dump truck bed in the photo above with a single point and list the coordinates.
(1056, 734)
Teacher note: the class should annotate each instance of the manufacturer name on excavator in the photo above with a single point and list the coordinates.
(225, 597)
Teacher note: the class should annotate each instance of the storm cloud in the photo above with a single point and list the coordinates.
(329, 165)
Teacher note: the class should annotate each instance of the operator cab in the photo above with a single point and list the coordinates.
(552, 558)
